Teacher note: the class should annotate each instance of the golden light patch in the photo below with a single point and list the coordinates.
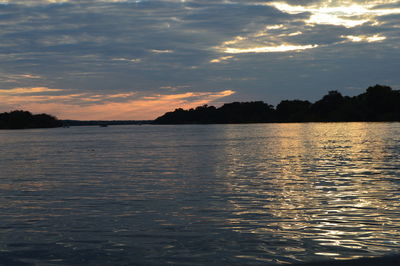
(364, 38)
(341, 13)
(221, 59)
(330, 19)
(269, 49)
(235, 40)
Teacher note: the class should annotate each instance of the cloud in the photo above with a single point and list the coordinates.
(221, 59)
(364, 38)
(98, 52)
(131, 60)
(269, 49)
(19, 91)
(341, 13)
(47, 2)
(86, 106)
(156, 51)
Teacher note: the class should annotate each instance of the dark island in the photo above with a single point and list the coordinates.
(24, 120)
(378, 103)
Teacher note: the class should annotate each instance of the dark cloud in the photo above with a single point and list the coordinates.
(112, 47)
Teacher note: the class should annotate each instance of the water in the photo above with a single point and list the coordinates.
(199, 194)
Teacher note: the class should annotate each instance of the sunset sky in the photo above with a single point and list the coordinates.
(125, 59)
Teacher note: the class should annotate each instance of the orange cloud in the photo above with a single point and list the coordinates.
(110, 106)
(27, 90)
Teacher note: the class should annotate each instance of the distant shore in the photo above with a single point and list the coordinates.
(68, 123)
(378, 104)
(20, 119)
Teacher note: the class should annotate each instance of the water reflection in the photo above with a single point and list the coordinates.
(215, 194)
(326, 186)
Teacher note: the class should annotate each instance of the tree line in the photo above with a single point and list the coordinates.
(23, 119)
(377, 103)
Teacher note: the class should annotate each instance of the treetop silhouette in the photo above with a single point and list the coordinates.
(23, 119)
(378, 103)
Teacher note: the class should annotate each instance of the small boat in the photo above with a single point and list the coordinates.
(103, 125)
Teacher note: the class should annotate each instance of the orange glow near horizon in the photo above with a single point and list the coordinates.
(17, 91)
(121, 106)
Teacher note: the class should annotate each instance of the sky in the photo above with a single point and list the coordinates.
(134, 60)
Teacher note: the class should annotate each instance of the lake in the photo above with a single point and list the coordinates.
(199, 194)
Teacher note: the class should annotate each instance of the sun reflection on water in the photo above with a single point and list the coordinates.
(330, 188)
(231, 194)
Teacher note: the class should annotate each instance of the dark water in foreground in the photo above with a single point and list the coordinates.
(201, 194)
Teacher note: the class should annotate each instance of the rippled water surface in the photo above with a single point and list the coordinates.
(199, 194)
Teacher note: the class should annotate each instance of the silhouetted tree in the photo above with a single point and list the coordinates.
(329, 107)
(23, 119)
(378, 103)
(293, 111)
(246, 112)
(382, 103)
